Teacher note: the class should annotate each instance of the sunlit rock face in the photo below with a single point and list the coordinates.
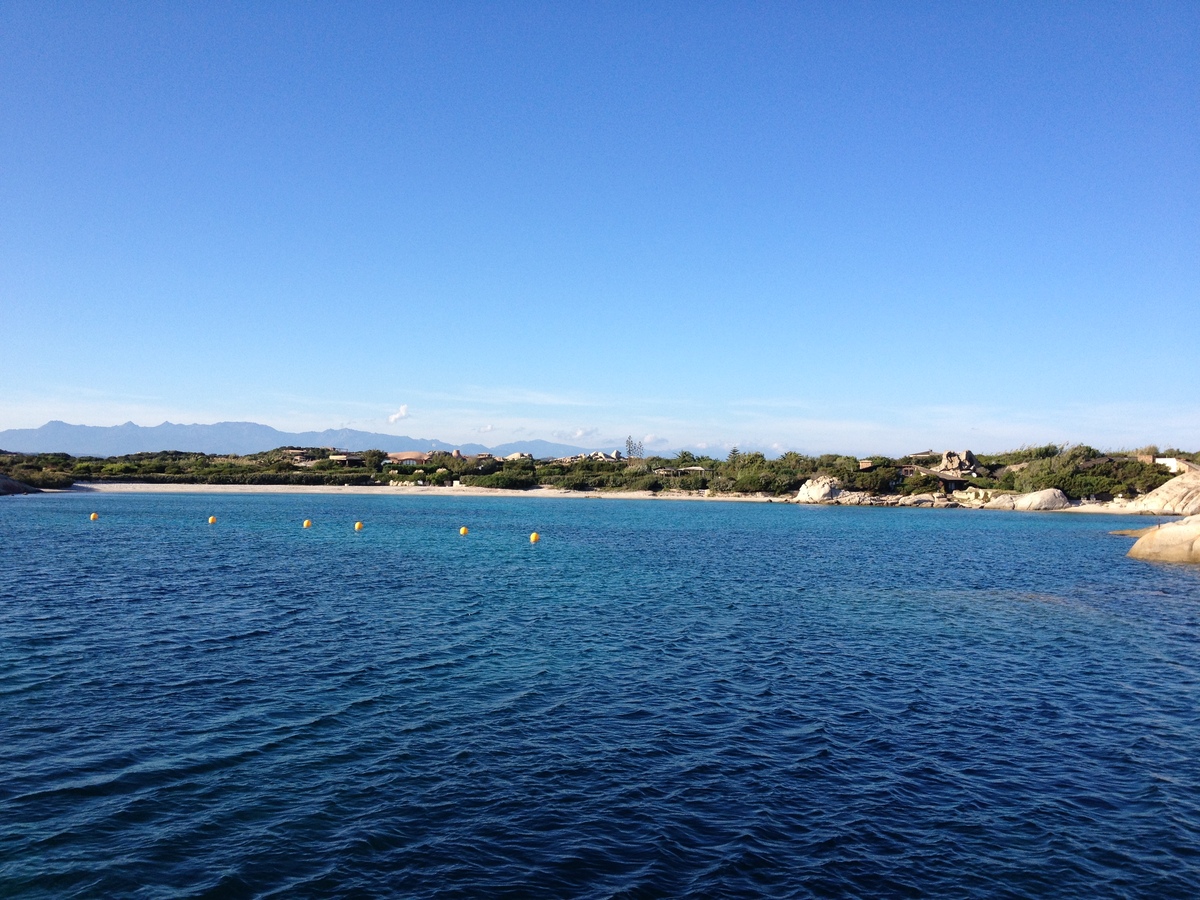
(1049, 499)
(1180, 496)
(821, 489)
(1173, 542)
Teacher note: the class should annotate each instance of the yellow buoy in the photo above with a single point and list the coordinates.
(534, 538)
(358, 526)
(463, 530)
(94, 516)
(212, 520)
(308, 523)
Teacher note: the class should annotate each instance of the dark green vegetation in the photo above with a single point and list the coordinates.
(1084, 472)
(57, 470)
(1078, 471)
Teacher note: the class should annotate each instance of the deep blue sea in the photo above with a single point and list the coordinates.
(658, 700)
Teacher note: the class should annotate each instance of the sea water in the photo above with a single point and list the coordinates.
(657, 700)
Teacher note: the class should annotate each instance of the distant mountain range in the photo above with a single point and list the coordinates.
(234, 437)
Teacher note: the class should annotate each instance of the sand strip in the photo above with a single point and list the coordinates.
(109, 487)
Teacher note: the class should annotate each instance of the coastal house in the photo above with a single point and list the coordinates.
(346, 459)
(408, 458)
(299, 457)
(671, 471)
(951, 481)
(953, 469)
(866, 465)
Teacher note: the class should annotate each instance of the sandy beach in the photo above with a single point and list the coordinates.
(1113, 508)
(407, 491)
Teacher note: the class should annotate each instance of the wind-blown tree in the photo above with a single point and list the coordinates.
(373, 460)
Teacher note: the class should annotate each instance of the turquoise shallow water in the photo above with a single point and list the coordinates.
(659, 699)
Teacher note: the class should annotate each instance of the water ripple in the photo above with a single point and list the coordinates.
(657, 700)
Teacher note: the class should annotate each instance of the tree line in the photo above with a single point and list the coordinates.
(1078, 471)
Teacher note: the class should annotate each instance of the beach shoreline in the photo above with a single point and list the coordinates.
(404, 491)
(1096, 508)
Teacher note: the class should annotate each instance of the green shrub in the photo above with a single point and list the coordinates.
(1080, 472)
(877, 481)
(920, 484)
(503, 479)
(646, 483)
(43, 478)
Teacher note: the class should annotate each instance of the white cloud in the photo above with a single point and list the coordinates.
(576, 434)
(484, 429)
(401, 413)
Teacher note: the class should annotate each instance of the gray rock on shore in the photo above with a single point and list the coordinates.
(855, 498)
(1174, 542)
(1049, 499)
(1180, 496)
(821, 489)
(12, 486)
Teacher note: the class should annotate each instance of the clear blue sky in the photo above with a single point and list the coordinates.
(870, 227)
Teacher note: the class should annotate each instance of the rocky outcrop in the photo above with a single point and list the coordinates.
(821, 489)
(12, 486)
(1180, 496)
(1134, 532)
(962, 464)
(1049, 499)
(854, 498)
(1174, 542)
